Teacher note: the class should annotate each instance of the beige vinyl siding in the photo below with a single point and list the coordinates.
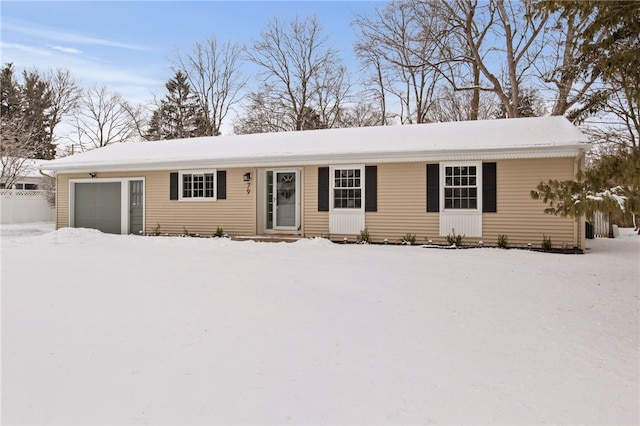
(315, 223)
(520, 217)
(402, 205)
(235, 214)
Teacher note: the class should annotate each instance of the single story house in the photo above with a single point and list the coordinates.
(427, 180)
(22, 173)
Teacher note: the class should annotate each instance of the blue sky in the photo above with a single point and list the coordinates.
(127, 45)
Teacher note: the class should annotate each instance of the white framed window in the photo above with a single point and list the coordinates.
(347, 188)
(461, 186)
(197, 185)
(24, 186)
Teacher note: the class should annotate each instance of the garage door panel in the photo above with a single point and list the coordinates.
(98, 206)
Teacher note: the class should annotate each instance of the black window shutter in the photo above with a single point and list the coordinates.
(173, 186)
(433, 187)
(323, 189)
(221, 185)
(371, 188)
(489, 188)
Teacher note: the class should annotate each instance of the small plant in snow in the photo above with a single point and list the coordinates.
(219, 232)
(155, 231)
(503, 241)
(546, 243)
(187, 233)
(409, 239)
(454, 239)
(364, 237)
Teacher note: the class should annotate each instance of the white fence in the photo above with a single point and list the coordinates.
(601, 225)
(22, 206)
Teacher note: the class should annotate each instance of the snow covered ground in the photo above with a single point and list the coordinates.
(105, 329)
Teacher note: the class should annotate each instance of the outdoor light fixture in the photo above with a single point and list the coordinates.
(93, 175)
(247, 177)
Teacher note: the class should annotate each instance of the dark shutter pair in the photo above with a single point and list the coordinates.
(221, 185)
(489, 187)
(370, 189)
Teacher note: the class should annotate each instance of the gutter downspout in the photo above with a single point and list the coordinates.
(55, 199)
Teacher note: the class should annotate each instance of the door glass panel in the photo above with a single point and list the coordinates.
(286, 199)
(270, 199)
(135, 206)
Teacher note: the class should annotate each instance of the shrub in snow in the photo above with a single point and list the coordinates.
(454, 239)
(364, 237)
(409, 239)
(155, 231)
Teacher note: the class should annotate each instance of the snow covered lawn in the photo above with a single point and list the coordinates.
(104, 329)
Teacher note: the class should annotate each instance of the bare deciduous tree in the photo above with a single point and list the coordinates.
(65, 95)
(103, 118)
(452, 105)
(16, 149)
(301, 72)
(213, 72)
(517, 41)
(402, 44)
(359, 115)
(261, 115)
(376, 83)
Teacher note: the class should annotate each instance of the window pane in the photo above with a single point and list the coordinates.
(208, 185)
(346, 189)
(186, 186)
(460, 187)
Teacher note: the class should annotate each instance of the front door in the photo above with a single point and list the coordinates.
(283, 200)
(135, 206)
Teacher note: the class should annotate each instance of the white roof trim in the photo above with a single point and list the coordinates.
(337, 159)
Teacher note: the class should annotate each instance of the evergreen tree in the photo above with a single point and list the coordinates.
(529, 105)
(611, 184)
(36, 107)
(178, 115)
(10, 93)
(25, 110)
(311, 119)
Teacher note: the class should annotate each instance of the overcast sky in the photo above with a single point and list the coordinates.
(127, 45)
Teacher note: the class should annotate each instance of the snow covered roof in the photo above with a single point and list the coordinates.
(468, 140)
